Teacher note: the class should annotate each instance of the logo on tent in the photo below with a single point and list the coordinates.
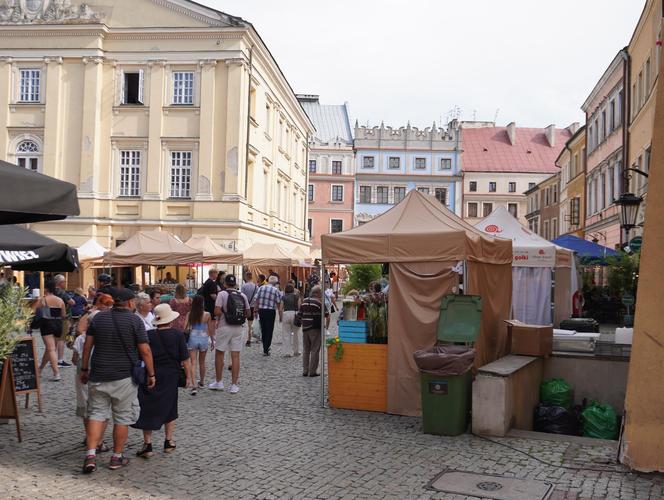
(492, 228)
(541, 251)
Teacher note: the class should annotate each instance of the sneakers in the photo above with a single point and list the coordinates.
(234, 389)
(216, 386)
(118, 462)
(64, 364)
(146, 451)
(194, 391)
(90, 464)
(201, 385)
(56, 378)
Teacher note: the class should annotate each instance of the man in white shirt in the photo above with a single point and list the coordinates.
(231, 310)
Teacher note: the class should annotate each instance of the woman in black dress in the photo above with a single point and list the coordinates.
(159, 405)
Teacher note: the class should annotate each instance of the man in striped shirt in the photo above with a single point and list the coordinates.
(267, 304)
(311, 312)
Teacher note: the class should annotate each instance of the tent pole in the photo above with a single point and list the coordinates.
(323, 339)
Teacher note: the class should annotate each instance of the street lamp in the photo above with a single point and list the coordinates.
(629, 209)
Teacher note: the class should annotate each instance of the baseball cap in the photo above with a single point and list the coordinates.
(104, 278)
(230, 280)
(124, 295)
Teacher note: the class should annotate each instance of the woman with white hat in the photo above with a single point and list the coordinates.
(159, 405)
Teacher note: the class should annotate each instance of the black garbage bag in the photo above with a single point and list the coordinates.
(445, 359)
(556, 420)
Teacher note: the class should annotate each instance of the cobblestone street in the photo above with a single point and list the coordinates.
(273, 440)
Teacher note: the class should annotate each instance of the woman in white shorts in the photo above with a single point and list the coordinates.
(200, 327)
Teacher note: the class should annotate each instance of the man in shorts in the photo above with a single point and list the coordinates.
(119, 340)
(229, 332)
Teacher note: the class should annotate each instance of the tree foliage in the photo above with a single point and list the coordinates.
(361, 275)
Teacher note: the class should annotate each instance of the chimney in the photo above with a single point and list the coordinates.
(550, 133)
(511, 133)
(573, 128)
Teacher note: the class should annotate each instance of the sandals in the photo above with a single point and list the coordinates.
(146, 451)
(169, 446)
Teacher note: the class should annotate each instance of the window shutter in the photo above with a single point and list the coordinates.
(123, 99)
(141, 80)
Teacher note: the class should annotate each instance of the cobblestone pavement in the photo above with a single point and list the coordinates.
(273, 440)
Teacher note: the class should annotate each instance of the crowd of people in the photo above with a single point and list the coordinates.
(132, 352)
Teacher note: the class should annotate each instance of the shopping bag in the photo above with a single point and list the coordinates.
(256, 327)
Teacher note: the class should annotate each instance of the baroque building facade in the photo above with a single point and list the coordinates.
(390, 162)
(572, 163)
(164, 113)
(331, 169)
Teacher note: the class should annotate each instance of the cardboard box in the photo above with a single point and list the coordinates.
(530, 340)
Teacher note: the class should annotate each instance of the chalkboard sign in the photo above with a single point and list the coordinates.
(25, 366)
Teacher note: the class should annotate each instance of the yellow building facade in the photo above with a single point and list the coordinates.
(644, 51)
(573, 185)
(164, 114)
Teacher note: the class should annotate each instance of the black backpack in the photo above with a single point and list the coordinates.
(235, 311)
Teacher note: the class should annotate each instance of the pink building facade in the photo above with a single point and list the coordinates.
(331, 175)
(604, 110)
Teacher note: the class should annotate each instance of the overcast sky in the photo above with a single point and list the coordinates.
(527, 61)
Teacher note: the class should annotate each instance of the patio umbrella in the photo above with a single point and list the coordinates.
(25, 250)
(28, 196)
(587, 251)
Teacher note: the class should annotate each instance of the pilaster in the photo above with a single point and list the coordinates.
(206, 170)
(53, 129)
(91, 127)
(154, 170)
(236, 123)
(5, 96)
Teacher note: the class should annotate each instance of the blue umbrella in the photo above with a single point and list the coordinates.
(587, 251)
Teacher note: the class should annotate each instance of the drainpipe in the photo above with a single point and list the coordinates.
(306, 196)
(246, 151)
(627, 111)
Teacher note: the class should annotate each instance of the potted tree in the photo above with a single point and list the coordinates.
(623, 280)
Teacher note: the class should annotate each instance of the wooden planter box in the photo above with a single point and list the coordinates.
(359, 380)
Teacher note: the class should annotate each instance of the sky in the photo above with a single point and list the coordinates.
(527, 61)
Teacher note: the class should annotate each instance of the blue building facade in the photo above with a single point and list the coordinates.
(391, 162)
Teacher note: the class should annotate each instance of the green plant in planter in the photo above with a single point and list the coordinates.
(15, 316)
(377, 318)
(622, 274)
(339, 348)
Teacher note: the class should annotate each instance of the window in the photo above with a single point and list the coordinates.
(612, 115)
(183, 87)
(394, 162)
(531, 185)
(554, 191)
(420, 163)
(492, 187)
(27, 155)
(180, 174)
(472, 209)
(132, 87)
(612, 194)
(310, 192)
(603, 125)
(423, 190)
(619, 114)
(634, 101)
(336, 168)
(310, 228)
(382, 194)
(512, 187)
(472, 187)
(554, 228)
(513, 208)
(268, 118)
(130, 173)
(336, 225)
(545, 227)
(252, 102)
(312, 166)
(647, 89)
(445, 164)
(441, 195)
(367, 162)
(487, 208)
(602, 191)
(30, 85)
(337, 193)
(575, 211)
(365, 194)
(639, 90)
(399, 194)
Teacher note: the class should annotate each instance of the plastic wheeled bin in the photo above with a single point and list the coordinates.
(446, 377)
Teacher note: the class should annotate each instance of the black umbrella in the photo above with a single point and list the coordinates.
(27, 196)
(25, 250)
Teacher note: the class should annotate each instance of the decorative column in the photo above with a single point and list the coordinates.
(206, 170)
(155, 169)
(5, 99)
(53, 127)
(91, 124)
(236, 129)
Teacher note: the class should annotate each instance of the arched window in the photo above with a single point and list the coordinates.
(28, 155)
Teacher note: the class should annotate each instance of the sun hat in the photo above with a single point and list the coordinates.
(163, 314)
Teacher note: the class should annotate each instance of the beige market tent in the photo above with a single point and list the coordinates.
(423, 241)
(212, 251)
(268, 255)
(154, 248)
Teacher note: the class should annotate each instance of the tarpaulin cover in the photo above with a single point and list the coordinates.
(268, 255)
(156, 248)
(445, 359)
(28, 196)
(212, 251)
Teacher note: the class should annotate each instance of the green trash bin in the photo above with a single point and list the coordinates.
(446, 375)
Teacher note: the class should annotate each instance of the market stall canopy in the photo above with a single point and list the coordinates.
(25, 250)
(418, 229)
(529, 249)
(587, 251)
(212, 251)
(268, 254)
(154, 248)
(91, 250)
(28, 196)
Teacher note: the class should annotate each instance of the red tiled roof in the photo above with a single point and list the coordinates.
(489, 149)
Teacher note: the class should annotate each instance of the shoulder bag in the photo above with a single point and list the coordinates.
(138, 372)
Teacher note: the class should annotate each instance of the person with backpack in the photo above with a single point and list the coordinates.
(231, 310)
(249, 289)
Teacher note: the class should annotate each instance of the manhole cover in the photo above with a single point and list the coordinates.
(488, 486)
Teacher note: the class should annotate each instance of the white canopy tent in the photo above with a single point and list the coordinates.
(91, 250)
(534, 259)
